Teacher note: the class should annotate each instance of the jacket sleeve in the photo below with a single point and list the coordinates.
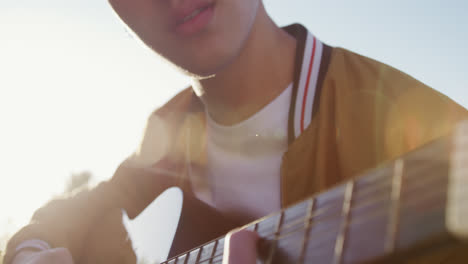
(72, 221)
(67, 221)
(63, 222)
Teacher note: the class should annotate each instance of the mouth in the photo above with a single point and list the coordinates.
(195, 13)
(195, 20)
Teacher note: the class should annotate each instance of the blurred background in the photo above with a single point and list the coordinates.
(76, 88)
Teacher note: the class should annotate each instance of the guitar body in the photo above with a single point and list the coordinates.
(172, 224)
(198, 224)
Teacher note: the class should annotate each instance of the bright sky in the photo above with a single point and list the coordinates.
(75, 89)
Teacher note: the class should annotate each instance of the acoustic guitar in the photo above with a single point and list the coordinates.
(411, 207)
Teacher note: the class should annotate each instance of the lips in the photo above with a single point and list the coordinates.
(193, 17)
(192, 14)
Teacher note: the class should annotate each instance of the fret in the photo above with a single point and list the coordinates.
(307, 224)
(329, 205)
(206, 253)
(395, 206)
(274, 241)
(294, 218)
(252, 227)
(344, 225)
(324, 226)
(255, 227)
(291, 233)
(219, 252)
(213, 252)
(266, 227)
(194, 256)
(332, 198)
(322, 239)
(182, 259)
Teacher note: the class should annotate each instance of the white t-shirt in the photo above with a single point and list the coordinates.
(243, 161)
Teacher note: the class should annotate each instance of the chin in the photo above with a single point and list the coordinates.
(206, 68)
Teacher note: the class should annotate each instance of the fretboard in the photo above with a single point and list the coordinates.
(385, 211)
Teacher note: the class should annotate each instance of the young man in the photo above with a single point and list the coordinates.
(272, 117)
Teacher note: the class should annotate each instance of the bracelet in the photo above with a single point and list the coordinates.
(34, 244)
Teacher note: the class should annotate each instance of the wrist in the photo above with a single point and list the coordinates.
(33, 245)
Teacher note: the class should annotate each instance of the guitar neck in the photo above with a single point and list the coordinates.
(387, 211)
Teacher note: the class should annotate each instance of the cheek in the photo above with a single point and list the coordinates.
(139, 15)
(200, 55)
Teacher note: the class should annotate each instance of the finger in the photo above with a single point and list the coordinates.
(241, 247)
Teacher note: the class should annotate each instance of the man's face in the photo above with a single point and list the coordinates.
(199, 36)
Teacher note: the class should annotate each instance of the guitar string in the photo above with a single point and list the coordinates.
(351, 224)
(375, 201)
(377, 177)
(330, 240)
(369, 217)
(299, 219)
(321, 233)
(328, 219)
(373, 213)
(328, 232)
(324, 231)
(362, 219)
(365, 217)
(380, 199)
(362, 195)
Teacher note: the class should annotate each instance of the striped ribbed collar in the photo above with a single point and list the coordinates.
(311, 63)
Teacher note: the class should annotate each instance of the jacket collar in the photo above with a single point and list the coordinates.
(311, 59)
(311, 64)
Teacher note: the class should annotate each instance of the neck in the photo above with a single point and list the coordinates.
(263, 69)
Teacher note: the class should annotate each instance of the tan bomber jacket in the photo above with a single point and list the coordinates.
(348, 114)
